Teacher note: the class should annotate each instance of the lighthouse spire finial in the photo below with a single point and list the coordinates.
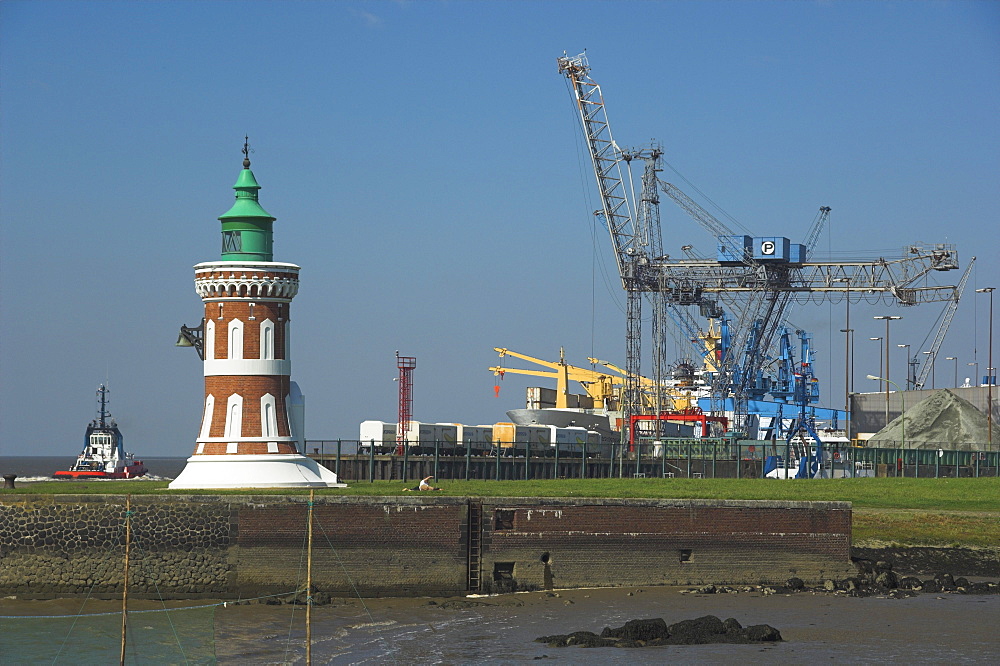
(246, 152)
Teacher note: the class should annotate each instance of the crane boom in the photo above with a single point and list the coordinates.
(619, 213)
(599, 386)
(697, 213)
(942, 331)
(606, 158)
(817, 227)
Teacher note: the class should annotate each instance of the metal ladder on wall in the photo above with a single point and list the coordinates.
(475, 545)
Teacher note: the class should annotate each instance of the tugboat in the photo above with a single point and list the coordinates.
(104, 455)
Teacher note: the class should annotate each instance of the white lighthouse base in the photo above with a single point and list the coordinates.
(254, 471)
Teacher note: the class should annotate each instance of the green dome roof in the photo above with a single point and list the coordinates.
(246, 198)
(246, 227)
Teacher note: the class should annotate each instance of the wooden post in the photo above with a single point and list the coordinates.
(527, 458)
(309, 569)
(437, 458)
(128, 541)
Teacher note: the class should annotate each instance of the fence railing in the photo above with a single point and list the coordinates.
(664, 458)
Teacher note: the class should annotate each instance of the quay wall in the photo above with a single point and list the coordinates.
(231, 546)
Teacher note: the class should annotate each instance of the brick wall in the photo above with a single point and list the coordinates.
(247, 546)
(397, 546)
(575, 543)
(263, 309)
(252, 388)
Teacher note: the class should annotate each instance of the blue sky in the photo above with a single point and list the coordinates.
(425, 168)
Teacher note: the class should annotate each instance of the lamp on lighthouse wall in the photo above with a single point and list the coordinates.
(193, 337)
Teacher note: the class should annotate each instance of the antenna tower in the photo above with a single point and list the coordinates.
(406, 365)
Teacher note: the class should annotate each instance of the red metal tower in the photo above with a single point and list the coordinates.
(406, 365)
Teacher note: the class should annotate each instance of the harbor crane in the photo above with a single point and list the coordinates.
(599, 386)
(755, 279)
(603, 388)
(942, 329)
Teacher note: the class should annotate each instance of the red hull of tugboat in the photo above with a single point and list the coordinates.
(127, 473)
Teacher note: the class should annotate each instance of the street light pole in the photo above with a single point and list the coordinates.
(906, 357)
(879, 341)
(848, 366)
(847, 331)
(887, 319)
(955, 359)
(902, 415)
(989, 374)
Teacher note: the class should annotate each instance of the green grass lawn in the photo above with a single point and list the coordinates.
(897, 493)
(938, 512)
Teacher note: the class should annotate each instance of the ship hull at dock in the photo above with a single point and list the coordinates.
(562, 418)
(129, 472)
(601, 423)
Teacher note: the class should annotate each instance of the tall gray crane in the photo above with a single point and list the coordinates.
(753, 277)
(942, 329)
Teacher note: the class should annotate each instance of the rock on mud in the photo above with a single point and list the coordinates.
(653, 632)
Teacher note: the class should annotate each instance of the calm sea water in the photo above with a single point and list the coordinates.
(41, 468)
(501, 630)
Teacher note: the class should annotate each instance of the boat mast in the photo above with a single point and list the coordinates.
(102, 394)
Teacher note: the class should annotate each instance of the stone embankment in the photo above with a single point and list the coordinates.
(874, 578)
(924, 560)
(53, 548)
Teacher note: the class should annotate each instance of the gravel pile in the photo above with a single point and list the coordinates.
(943, 418)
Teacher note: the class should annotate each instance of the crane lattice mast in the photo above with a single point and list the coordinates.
(618, 213)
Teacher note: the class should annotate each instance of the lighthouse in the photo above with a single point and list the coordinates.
(252, 430)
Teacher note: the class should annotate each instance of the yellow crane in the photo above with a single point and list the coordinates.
(680, 399)
(604, 388)
(599, 386)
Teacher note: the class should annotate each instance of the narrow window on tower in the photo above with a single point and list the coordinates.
(235, 339)
(231, 241)
(268, 416)
(267, 340)
(234, 417)
(209, 340)
(206, 421)
(251, 317)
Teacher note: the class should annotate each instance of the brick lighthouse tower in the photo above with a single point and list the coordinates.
(252, 424)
